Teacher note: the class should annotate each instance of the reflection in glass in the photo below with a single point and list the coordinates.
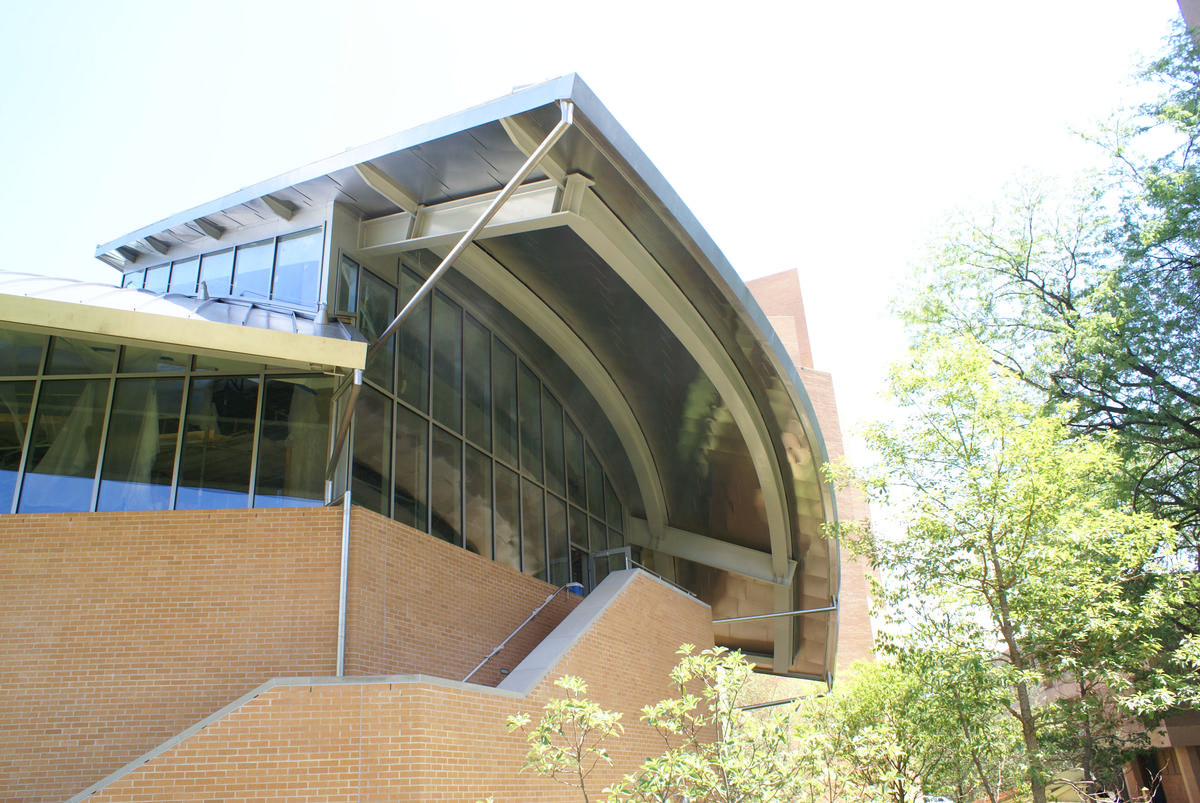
(612, 507)
(376, 309)
(552, 431)
(298, 268)
(216, 273)
(504, 385)
(477, 514)
(20, 353)
(15, 398)
(595, 485)
(71, 356)
(158, 278)
(137, 360)
(413, 341)
(345, 293)
(252, 270)
(65, 442)
(573, 448)
(477, 375)
(218, 441)
(371, 469)
(533, 537)
(556, 538)
(529, 392)
(139, 453)
(412, 435)
(207, 363)
(294, 442)
(446, 490)
(184, 275)
(508, 518)
(447, 363)
(578, 527)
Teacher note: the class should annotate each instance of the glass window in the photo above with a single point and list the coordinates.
(446, 487)
(72, 356)
(65, 443)
(413, 341)
(595, 485)
(573, 448)
(612, 507)
(184, 275)
(139, 453)
(21, 353)
(477, 513)
(533, 538)
(371, 469)
(504, 387)
(223, 364)
(298, 268)
(137, 360)
(134, 279)
(556, 538)
(377, 308)
(477, 378)
(15, 400)
(447, 363)
(345, 292)
(409, 494)
(218, 441)
(216, 273)
(552, 435)
(578, 527)
(508, 518)
(294, 442)
(252, 270)
(158, 278)
(529, 391)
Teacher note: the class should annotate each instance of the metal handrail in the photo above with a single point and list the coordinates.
(519, 627)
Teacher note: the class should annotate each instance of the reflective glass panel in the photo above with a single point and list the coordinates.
(446, 487)
(573, 449)
(218, 442)
(15, 398)
(556, 537)
(376, 309)
(508, 518)
(134, 279)
(71, 356)
(533, 533)
(298, 268)
(65, 442)
(294, 442)
(595, 485)
(447, 362)
(345, 294)
(578, 527)
(552, 433)
(477, 513)
(216, 272)
(158, 278)
(477, 379)
(413, 341)
(252, 270)
(371, 470)
(139, 453)
(20, 353)
(184, 275)
(529, 390)
(504, 400)
(137, 360)
(412, 441)
(612, 507)
(206, 363)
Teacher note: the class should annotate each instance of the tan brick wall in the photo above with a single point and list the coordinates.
(420, 741)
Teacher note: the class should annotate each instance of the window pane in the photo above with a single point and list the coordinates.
(530, 393)
(252, 270)
(595, 485)
(612, 507)
(345, 294)
(477, 376)
(70, 356)
(597, 535)
(508, 518)
(573, 443)
(578, 527)
(556, 536)
(134, 279)
(447, 362)
(552, 433)
(184, 274)
(412, 438)
(214, 468)
(15, 398)
(477, 516)
(504, 386)
(61, 467)
(533, 533)
(222, 364)
(298, 268)
(413, 342)
(136, 360)
(377, 308)
(158, 278)
(21, 353)
(371, 469)
(216, 272)
(139, 453)
(294, 443)
(446, 488)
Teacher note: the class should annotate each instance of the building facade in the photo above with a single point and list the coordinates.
(301, 494)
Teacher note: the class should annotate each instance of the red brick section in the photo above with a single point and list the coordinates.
(420, 741)
(123, 629)
(780, 298)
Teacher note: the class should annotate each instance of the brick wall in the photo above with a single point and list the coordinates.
(421, 741)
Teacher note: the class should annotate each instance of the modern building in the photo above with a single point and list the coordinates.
(288, 514)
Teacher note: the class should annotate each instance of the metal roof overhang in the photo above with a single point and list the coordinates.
(616, 283)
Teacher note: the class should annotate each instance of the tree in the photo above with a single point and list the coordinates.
(1015, 532)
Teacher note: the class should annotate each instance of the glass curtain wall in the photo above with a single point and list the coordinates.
(90, 426)
(482, 453)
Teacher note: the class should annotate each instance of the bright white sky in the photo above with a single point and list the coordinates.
(830, 137)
